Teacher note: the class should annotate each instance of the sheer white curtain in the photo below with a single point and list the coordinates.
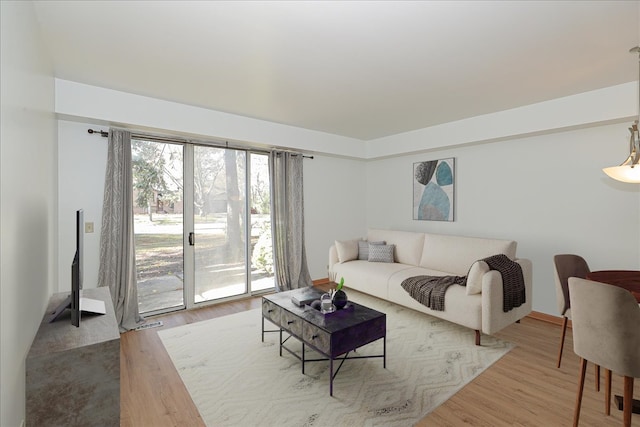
(287, 221)
(117, 251)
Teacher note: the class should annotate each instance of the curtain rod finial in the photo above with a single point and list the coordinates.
(101, 132)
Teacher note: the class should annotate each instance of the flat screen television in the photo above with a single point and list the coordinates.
(72, 302)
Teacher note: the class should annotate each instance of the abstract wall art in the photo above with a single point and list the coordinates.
(433, 190)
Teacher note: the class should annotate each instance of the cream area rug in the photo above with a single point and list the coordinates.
(237, 380)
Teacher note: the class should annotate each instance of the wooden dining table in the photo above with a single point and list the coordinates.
(627, 279)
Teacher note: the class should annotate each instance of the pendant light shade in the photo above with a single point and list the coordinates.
(629, 170)
(624, 173)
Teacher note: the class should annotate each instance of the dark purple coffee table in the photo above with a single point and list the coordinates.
(334, 336)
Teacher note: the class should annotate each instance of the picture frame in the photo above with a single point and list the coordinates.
(434, 190)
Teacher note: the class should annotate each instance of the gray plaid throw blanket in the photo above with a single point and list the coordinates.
(430, 290)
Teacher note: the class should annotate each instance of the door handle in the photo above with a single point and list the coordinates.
(192, 239)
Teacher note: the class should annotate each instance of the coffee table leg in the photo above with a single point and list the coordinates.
(331, 376)
(280, 342)
(302, 358)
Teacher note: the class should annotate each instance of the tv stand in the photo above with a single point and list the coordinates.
(73, 374)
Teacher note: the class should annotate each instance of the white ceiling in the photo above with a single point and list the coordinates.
(360, 69)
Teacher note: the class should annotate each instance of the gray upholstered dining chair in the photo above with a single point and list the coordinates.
(606, 332)
(565, 266)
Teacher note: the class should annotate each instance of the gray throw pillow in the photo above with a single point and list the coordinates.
(363, 248)
(381, 253)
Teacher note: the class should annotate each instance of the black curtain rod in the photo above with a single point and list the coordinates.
(105, 134)
(303, 156)
(102, 133)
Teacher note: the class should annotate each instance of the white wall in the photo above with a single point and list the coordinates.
(28, 197)
(333, 191)
(614, 104)
(334, 200)
(546, 192)
(334, 185)
(82, 161)
(96, 104)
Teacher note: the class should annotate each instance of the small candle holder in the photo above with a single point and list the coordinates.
(326, 304)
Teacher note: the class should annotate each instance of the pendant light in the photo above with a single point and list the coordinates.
(629, 170)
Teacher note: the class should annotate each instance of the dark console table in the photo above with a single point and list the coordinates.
(331, 336)
(73, 374)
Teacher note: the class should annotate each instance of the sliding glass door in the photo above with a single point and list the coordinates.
(219, 239)
(158, 193)
(260, 224)
(202, 224)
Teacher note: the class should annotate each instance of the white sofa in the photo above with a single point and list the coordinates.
(478, 306)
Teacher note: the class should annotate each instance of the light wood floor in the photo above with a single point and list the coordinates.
(524, 388)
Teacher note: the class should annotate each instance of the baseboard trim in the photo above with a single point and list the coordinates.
(549, 318)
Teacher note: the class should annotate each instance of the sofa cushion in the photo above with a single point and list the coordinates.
(381, 253)
(368, 277)
(455, 254)
(347, 250)
(408, 244)
(459, 308)
(474, 278)
(363, 249)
